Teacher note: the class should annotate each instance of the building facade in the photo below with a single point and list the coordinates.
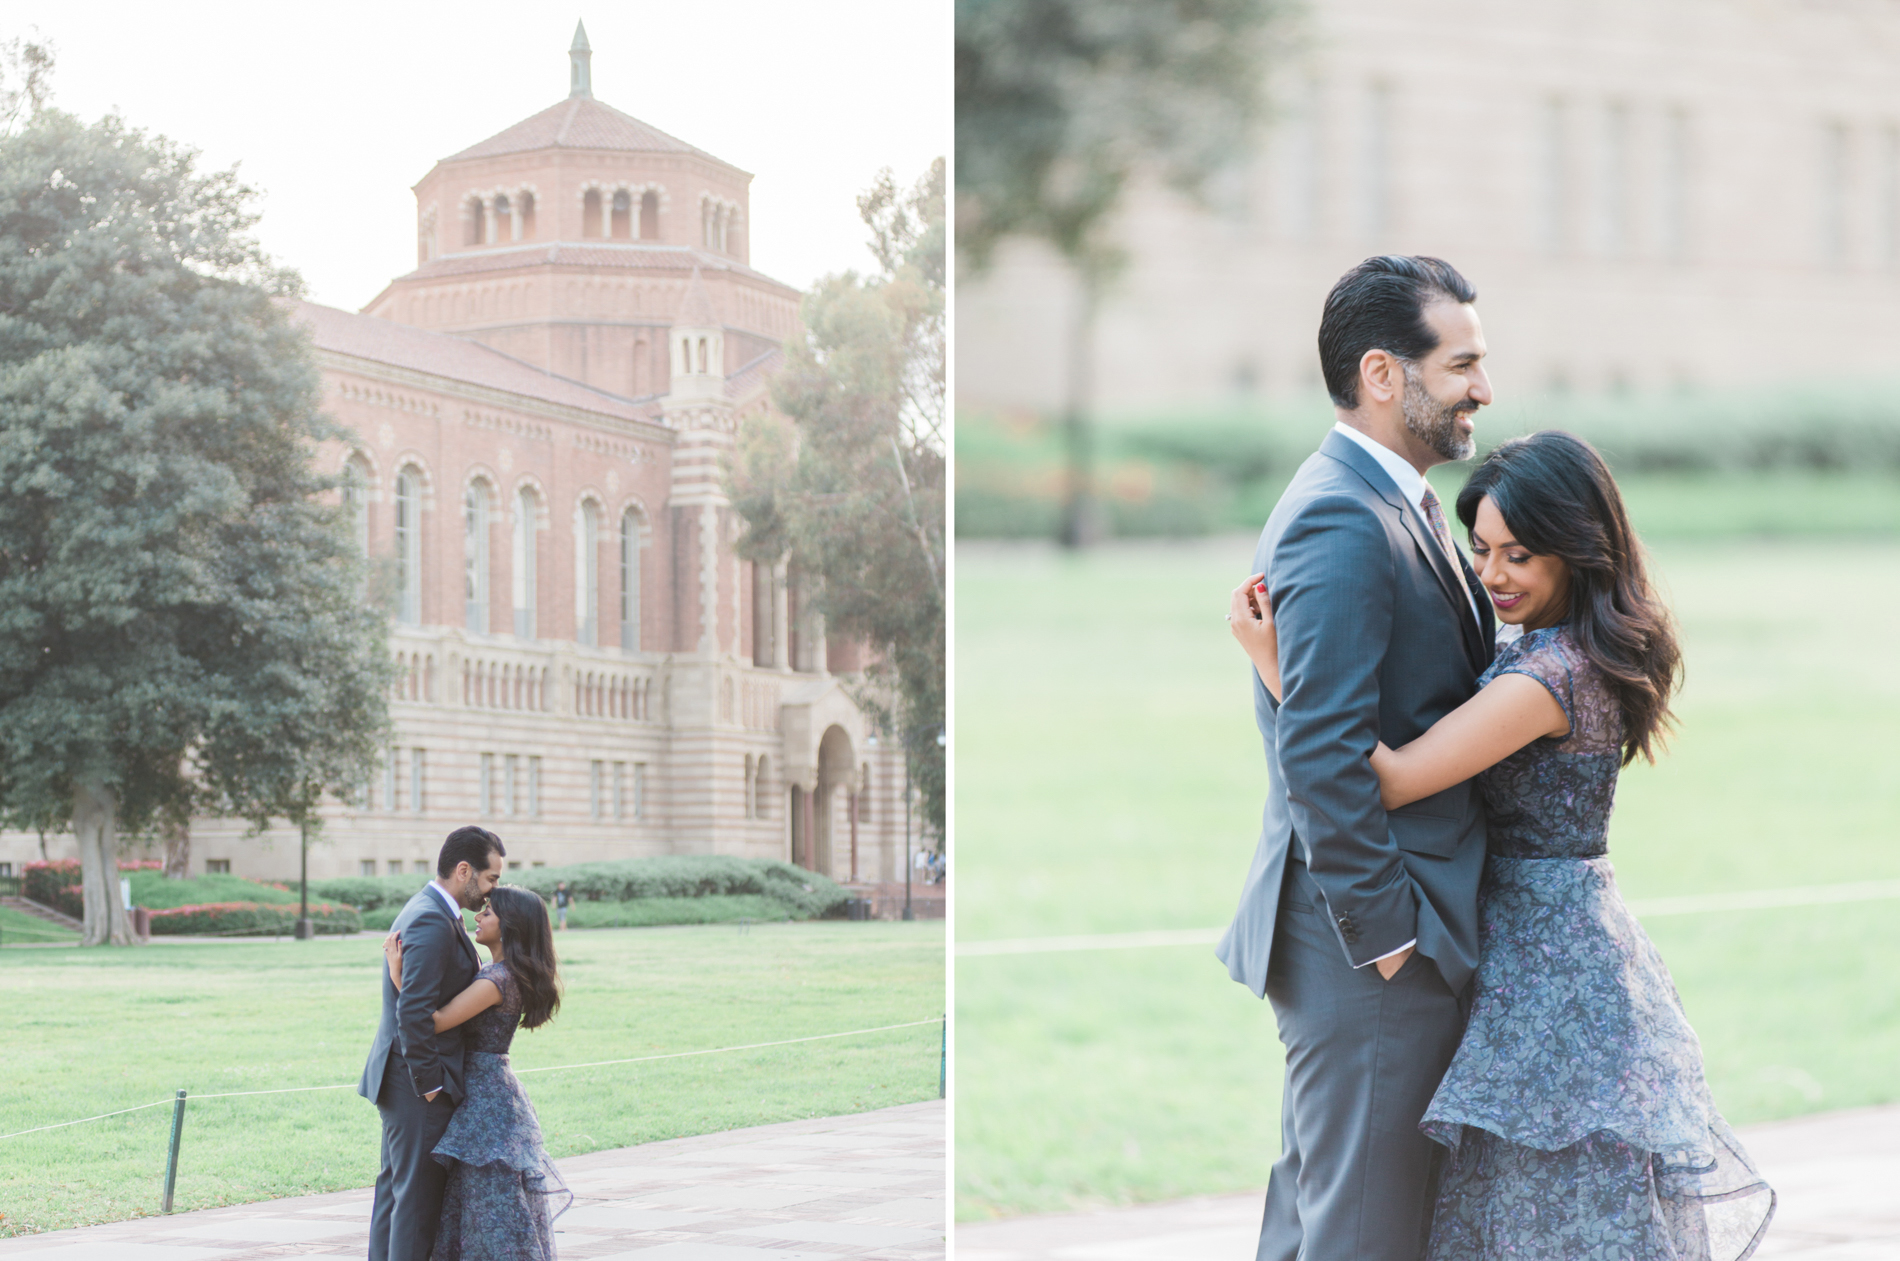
(539, 415)
(1648, 194)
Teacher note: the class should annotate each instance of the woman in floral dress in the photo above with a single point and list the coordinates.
(1575, 1115)
(500, 1180)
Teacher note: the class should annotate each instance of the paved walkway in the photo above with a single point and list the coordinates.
(1836, 1177)
(870, 1185)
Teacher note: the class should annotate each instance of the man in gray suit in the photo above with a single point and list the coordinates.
(414, 1074)
(1359, 924)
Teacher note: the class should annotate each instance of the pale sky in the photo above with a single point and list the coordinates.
(335, 111)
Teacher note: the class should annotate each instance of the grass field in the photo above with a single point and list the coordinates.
(17, 927)
(1109, 779)
(90, 1031)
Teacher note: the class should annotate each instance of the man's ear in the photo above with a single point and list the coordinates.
(1381, 376)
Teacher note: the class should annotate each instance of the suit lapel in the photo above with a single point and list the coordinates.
(1412, 518)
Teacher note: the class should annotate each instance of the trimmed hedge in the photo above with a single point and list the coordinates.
(367, 893)
(805, 894)
(252, 919)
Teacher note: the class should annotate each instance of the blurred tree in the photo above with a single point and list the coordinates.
(26, 81)
(180, 625)
(1060, 104)
(851, 487)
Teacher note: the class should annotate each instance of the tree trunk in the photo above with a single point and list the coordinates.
(1082, 524)
(95, 823)
(177, 849)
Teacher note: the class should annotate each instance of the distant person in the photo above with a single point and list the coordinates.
(415, 1070)
(1570, 1117)
(561, 899)
(500, 1179)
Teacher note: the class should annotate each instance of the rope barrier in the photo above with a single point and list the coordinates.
(553, 1068)
(58, 1125)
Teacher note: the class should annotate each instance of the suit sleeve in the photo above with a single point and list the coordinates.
(426, 948)
(1332, 584)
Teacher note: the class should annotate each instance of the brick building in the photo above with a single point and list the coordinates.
(540, 411)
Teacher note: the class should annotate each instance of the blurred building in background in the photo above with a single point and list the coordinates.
(539, 413)
(1650, 196)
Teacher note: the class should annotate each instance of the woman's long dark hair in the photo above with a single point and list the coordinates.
(1558, 498)
(527, 947)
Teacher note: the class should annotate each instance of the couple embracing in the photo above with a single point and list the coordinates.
(1485, 1056)
(464, 1175)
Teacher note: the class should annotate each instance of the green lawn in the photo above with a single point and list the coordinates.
(90, 1031)
(1109, 779)
(17, 928)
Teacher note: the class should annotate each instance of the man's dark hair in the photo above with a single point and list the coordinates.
(1380, 305)
(471, 845)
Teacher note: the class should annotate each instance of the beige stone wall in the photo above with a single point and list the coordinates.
(1647, 193)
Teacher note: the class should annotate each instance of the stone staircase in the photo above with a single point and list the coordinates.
(47, 913)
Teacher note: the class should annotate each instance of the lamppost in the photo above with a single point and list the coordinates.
(304, 931)
(908, 913)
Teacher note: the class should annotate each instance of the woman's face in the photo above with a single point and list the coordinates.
(487, 926)
(1526, 589)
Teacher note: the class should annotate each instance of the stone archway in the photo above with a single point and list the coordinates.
(836, 761)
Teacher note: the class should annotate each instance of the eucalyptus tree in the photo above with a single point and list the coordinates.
(848, 479)
(180, 629)
(1061, 105)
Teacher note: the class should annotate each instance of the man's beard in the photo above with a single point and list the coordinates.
(1435, 426)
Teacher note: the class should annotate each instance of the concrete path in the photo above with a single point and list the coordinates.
(870, 1185)
(1836, 1177)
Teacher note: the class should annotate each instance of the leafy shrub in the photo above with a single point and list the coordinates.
(252, 919)
(805, 894)
(715, 908)
(367, 893)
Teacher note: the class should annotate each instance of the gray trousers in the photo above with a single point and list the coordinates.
(1355, 1180)
(408, 1202)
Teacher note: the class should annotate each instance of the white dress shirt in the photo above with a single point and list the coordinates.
(1411, 484)
(454, 909)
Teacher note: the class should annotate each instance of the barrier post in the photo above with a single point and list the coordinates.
(171, 1162)
(943, 1056)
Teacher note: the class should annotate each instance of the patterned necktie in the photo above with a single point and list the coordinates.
(1435, 517)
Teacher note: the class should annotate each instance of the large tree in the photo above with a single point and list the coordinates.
(180, 625)
(851, 487)
(1060, 105)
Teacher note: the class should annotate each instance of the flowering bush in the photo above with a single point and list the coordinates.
(57, 884)
(252, 919)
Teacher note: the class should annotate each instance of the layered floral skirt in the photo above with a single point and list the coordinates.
(1576, 1113)
(496, 1206)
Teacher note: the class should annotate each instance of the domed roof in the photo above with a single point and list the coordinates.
(580, 122)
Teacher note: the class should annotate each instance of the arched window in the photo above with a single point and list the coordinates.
(408, 547)
(504, 220)
(623, 215)
(475, 556)
(702, 354)
(526, 509)
(477, 222)
(587, 573)
(629, 581)
(590, 213)
(527, 216)
(649, 216)
(761, 798)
